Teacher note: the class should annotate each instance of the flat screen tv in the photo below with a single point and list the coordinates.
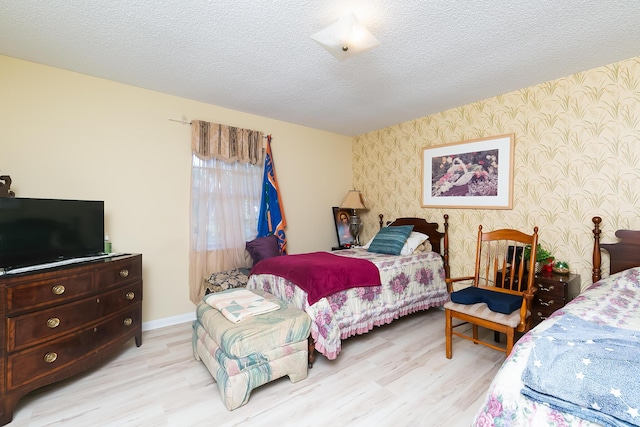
(39, 231)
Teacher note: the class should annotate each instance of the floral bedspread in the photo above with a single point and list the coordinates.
(409, 283)
(614, 301)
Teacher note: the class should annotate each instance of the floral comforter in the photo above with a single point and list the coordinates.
(614, 301)
(409, 283)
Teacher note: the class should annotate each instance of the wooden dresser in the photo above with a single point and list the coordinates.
(64, 320)
(554, 292)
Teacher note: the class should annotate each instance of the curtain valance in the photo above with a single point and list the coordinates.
(227, 143)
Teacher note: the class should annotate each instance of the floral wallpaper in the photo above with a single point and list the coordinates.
(577, 155)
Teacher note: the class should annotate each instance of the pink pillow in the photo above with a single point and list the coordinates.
(263, 248)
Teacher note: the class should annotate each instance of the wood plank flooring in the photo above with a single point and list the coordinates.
(396, 375)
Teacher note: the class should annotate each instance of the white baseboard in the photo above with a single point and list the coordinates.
(183, 318)
(169, 321)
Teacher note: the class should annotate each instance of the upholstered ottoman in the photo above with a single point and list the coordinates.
(242, 356)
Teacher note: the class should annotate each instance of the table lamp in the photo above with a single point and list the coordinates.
(354, 200)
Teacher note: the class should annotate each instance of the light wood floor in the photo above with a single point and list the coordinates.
(396, 375)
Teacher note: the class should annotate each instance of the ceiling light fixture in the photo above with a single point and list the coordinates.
(346, 38)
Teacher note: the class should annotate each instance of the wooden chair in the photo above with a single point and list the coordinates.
(501, 290)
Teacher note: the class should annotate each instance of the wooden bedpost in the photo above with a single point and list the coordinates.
(447, 271)
(596, 273)
(380, 220)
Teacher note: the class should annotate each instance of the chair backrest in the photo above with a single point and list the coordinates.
(500, 263)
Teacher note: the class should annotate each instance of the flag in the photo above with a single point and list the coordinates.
(271, 219)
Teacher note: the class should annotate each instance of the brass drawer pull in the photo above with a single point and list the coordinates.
(58, 289)
(549, 289)
(546, 304)
(50, 357)
(124, 272)
(53, 322)
(541, 316)
(130, 295)
(128, 321)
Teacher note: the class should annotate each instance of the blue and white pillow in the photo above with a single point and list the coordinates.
(390, 240)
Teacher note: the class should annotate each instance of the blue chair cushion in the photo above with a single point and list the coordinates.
(496, 301)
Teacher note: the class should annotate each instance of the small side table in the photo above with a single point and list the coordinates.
(554, 292)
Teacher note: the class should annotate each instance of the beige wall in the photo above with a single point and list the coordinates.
(67, 135)
(577, 154)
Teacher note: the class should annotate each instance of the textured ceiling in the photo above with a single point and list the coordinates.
(257, 56)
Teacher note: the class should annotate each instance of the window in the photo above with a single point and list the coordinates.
(225, 203)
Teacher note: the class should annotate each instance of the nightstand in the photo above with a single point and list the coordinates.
(554, 292)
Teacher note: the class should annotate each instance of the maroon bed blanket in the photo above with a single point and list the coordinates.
(321, 274)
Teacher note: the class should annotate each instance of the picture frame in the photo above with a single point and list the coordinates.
(341, 218)
(473, 174)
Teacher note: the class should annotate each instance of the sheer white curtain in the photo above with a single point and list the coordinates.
(225, 202)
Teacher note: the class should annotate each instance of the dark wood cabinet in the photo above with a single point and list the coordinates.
(554, 292)
(62, 321)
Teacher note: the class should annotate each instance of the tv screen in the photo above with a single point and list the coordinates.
(38, 231)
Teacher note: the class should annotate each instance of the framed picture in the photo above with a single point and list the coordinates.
(341, 218)
(475, 174)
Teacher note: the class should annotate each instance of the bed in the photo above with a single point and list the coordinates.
(409, 283)
(580, 367)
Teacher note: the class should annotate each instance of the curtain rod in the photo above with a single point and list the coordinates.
(184, 121)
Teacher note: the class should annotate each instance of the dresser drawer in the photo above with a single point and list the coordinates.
(35, 363)
(121, 325)
(119, 272)
(551, 290)
(30, 329)
(119, 299)
(541, 313)
(544, 305)
(50, 291)
(50, 358)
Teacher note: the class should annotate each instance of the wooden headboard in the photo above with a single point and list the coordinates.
(623, 254)
(439, 240)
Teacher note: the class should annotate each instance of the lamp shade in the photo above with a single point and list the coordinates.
(346, 37)
(353, 200)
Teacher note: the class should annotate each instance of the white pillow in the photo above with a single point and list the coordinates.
(414, 240)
